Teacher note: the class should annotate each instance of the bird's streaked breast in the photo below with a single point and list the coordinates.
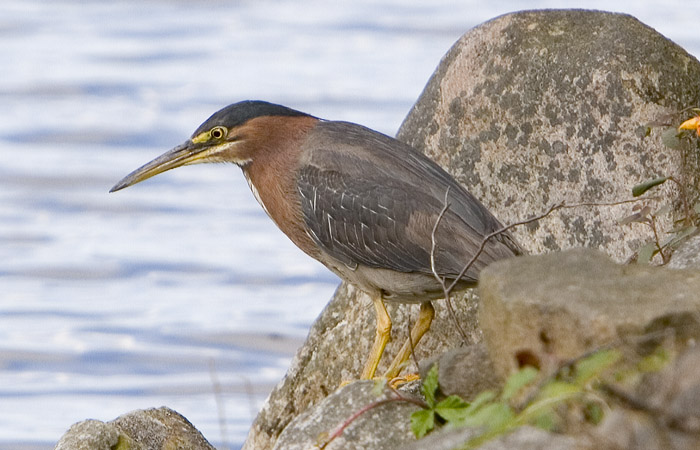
(256, 194)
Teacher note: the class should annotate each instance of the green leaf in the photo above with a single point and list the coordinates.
(594, 412)
(452, 409)
(639, 216)
(122, 443)
(594, 365)
(655, 361)
(430, 385)
(546, 421)
(641, 188)
(551, 395)
(670, 138)
(422, 421)
(482, 399)
(492, 416)
(517, 381)
(379, 386)
(647, 252)
(557, 391)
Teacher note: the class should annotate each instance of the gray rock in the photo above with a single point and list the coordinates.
(89, 435)
(687, 255)
(674, 393)
(524, 438)
(529, 438)
(149, 429)
(464, 371)
(631, 430)
(444, 439)
(665, 414)
(635, 430)
(549, 308)
(382, 427)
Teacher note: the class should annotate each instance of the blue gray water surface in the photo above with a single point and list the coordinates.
(179, 287)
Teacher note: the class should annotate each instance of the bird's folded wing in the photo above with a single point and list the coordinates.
(359, 222)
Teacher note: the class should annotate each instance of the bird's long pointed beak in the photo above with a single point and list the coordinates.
(187, 153)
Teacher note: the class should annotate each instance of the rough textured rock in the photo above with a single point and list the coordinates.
(526, 110)
(464, 371)
(534, 108)
(674, 393)
(633, 430)
(666, 414)
(382, 427)
(149, 429)
(524, 438)
(89, 435)
(687, 255)
(546, 309)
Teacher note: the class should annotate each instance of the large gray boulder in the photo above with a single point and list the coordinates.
(526, 110)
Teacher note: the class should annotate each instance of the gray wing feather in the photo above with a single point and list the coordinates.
(370, 199)
(353, 224)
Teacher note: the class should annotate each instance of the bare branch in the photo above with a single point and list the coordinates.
(410, 342)
(433, 240)
(554, 207)
(447, 290)
(688, 213)
(441, 280)
(496, 233)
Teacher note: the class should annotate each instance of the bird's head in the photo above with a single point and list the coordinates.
(226, 136)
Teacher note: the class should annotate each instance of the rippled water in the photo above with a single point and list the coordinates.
(180, 286)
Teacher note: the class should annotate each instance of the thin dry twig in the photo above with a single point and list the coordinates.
(447, 290)
(628, 399)
(219, 402)
(688, 212)
(441, 280)
(552, 208)
(496, 233)
(410, 342)
(433, 240)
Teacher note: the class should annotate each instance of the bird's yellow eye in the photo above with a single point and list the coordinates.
(218, 132)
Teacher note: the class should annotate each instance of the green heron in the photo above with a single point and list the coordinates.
(360, 202)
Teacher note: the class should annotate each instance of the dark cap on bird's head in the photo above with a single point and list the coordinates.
(239, 113)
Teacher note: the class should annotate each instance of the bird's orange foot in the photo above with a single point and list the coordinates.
(403, 379)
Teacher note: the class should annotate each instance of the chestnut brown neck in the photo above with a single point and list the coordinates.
(271, 172)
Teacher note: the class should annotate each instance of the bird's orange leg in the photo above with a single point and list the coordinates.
(380, 339)
(422, 325)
